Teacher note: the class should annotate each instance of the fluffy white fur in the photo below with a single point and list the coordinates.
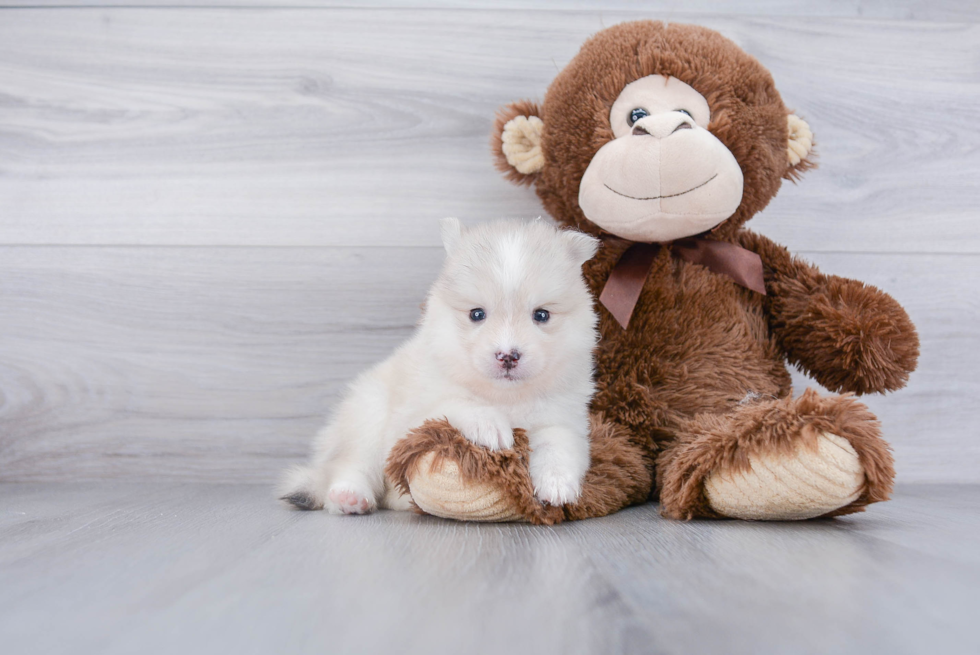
(452, 368)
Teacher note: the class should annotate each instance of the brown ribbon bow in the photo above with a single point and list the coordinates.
(622, 289)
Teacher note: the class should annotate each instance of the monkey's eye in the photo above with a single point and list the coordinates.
(636, 115)
(541, 315)
(477, 315)
(684, 111)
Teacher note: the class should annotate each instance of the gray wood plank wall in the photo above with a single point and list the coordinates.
(211, 218)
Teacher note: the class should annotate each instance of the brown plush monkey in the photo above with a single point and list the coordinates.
(664, 140)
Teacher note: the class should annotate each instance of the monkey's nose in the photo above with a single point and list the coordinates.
(508, 360)
(662, 126)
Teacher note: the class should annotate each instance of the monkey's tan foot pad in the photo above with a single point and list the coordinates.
(441, 491)
(448, 476)
(806, 483)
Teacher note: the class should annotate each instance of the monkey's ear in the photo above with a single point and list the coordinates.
(516, 141)
(800, 147)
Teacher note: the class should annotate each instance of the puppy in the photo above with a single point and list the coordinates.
(505, 341)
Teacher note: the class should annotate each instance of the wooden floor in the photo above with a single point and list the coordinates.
(192, 568)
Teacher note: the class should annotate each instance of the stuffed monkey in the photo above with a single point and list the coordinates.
(664, 140)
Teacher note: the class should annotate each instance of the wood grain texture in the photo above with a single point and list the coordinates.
(129, 130)
(189, 362)
(934, 10)
(220, 363)
(150, 568)
(358, 127)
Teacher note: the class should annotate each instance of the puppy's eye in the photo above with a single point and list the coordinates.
(541, 315)
(636, 115)
(477, 315)
(684, 111)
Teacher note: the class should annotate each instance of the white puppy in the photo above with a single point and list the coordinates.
(505, 341)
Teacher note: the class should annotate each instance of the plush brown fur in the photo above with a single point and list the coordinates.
(708, 442)
(747, 113)
(671, 387)
(508, 468)
(619, 474)
(847, 334)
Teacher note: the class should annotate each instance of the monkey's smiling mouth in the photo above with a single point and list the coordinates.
(671, 195)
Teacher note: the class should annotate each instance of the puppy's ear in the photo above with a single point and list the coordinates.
(516, 141)
(452, 232)
(799, 148)
(581, 246)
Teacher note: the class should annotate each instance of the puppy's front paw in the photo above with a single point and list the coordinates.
(558, 463)
(555, 487)
(485, 428)
(346, 498)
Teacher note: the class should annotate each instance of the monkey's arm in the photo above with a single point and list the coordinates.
(848, 335)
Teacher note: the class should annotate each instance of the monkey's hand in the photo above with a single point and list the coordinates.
(848, 335)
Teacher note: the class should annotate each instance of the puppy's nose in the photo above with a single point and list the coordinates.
(508, 360)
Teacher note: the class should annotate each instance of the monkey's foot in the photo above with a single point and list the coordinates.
(811, 481)
(777, 460)
(448, 476)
